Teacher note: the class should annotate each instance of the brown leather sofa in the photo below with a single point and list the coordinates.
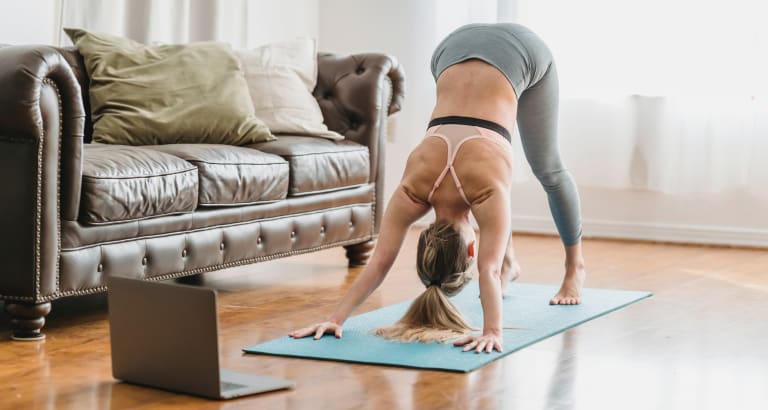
(73, 212)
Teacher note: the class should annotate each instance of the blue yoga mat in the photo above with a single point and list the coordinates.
(527, 309)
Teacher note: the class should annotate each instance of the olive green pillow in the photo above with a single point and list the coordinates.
(165, 94)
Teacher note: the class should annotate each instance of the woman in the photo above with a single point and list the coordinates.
(488, 76)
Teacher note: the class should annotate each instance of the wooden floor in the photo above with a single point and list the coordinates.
(701, 342)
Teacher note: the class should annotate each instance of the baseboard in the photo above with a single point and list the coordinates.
(695, 234)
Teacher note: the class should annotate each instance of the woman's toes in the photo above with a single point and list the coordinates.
(564, 301)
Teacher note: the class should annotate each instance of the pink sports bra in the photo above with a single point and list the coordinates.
(454, 136)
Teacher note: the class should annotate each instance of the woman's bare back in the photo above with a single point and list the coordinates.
(481, 165)
(476, 89)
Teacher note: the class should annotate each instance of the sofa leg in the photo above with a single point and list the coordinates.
(195, 280)
(27, 319)
(359, 253)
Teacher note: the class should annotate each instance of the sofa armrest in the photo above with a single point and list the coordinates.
(356, 94)
(41, 137)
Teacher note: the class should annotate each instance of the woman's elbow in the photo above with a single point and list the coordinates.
(490, 271)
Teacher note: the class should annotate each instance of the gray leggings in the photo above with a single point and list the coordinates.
(528, 65)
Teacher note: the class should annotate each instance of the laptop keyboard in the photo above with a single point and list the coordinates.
(225, 386)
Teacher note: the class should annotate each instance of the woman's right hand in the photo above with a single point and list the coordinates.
(318, 329)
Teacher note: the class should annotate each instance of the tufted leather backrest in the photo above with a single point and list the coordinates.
(339, 76)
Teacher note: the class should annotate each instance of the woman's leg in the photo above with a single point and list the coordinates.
(537, 121)
(510, 268)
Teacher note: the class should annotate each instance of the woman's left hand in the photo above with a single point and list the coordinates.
(487, 343)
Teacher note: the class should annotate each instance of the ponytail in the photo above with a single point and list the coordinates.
(431, 318)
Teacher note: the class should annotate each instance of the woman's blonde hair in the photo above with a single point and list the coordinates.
(442, 264)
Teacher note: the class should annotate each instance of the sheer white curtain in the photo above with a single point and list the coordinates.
(669, 96)
(242, 23)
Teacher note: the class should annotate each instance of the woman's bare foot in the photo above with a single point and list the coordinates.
(570, 291)
(510, 271)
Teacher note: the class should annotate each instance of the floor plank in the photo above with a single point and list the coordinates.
(700, 342)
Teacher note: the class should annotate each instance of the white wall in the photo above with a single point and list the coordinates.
(28, 21)
(732, 219)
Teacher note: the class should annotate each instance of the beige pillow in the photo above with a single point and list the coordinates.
(146, 95)
(281, 77)
(300, 55)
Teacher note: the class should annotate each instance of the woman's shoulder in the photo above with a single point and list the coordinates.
(491, 152)
(430, 155)
(484, 165)
(424, 164)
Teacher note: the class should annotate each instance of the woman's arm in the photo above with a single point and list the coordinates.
(402, 211)
(492, 215)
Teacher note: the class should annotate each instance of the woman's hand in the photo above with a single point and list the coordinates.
(318, 329)
(487, 342)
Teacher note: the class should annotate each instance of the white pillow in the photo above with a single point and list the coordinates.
(281, 77)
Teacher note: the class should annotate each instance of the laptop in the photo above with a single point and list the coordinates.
(165, 335)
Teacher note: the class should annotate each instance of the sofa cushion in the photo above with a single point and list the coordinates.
(231, 175)
(123, 183)
(163, 94)
(319, 164)
(282, 102)
(281, 77)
